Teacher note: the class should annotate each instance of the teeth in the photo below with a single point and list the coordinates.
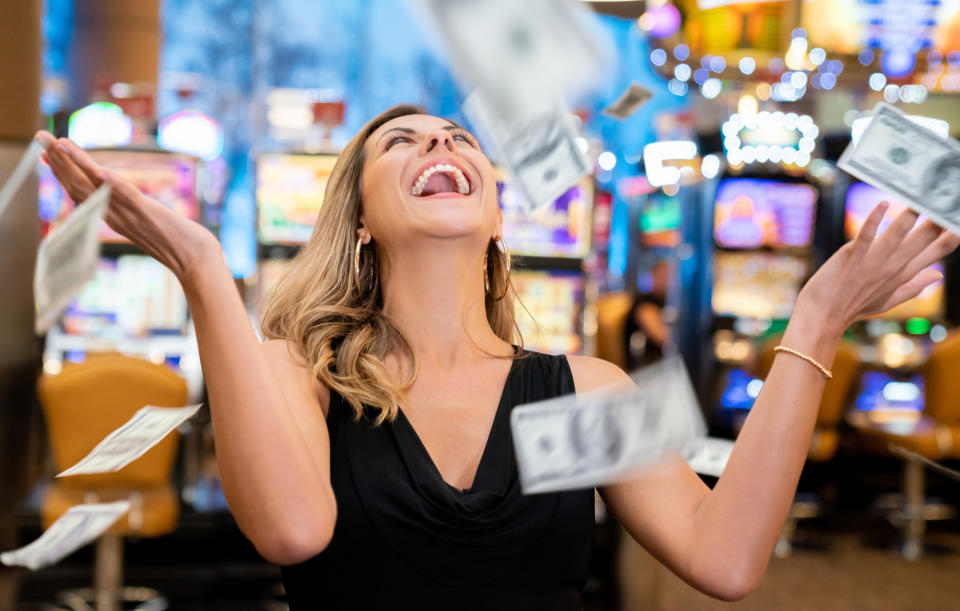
(463, 186)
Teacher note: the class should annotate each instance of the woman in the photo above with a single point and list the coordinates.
(366, 446)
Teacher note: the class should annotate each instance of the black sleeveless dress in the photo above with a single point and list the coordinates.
(405, 539)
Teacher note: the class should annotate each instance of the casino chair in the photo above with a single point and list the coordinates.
(826, 436)
(82, 405)
(612, 312)
(935, 436)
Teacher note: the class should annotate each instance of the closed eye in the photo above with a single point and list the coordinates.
(394, 140)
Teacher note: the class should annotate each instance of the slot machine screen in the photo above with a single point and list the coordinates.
(561, 229)
(660, 221)
(289, 195)
(757, 284)
(130, 296)
(549, 317)
(170, 178)
(757, 213)
(861, 199)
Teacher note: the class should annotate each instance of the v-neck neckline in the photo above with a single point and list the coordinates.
(484, 456)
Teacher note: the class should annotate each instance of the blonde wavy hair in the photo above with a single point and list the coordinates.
(339, 326)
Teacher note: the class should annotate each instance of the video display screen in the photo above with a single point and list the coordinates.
(549, 317)
(130, 296)
(861, 199)
(170, 178)
(660, 221)
(755, 213)
(561, 229)
(846, 26)
(881, 391)
(290, 192)
(757, 284)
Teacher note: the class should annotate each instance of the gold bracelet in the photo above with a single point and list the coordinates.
(826, 372)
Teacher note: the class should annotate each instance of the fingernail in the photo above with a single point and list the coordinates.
(63, 148)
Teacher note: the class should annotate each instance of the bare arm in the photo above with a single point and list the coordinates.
(271, 436)
(720, 541)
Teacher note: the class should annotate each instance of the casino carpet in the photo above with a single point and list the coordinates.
(847, 571)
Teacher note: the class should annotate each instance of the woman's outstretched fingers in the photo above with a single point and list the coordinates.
(83, 160)
(899, 229)
(912, 288)
(869, 229)
(921, 238)
(77, 185)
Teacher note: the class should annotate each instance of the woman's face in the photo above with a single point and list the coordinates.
(425, 177)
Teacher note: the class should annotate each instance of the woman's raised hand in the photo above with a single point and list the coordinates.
(171, 238)
(873, 274)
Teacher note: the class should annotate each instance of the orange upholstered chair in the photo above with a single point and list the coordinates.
(612, 312)
(826, 436)
(936, 436)
(82, 405)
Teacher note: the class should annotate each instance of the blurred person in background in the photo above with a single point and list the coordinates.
(366, 445)
(646, 331)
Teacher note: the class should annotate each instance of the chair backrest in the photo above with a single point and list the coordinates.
(612, 312)
(89, 400)
(941, 380)
(837, 390)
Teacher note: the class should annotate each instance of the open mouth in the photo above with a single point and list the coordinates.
(440, 178)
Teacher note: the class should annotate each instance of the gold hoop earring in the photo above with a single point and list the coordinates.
(506, 251)
(356, 263)
(486, 279)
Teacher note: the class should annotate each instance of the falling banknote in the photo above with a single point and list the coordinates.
(911, 163)
(144, 430)
(67, 258)
(708, 455)
(26, 165)
(80, 525)
(520, 60)
(596, 438)
(628, 102)
(538, 147)
(519, 52)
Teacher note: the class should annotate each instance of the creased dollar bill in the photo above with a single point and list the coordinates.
(144, 430)
(708, 455)
(520, 60)
(601, 437)
(537, 147)
(26, 165)
(519, 52)
(67, 258)
(911, 163)
(632, 99)
(80, 525)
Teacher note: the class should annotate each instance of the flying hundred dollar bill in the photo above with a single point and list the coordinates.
(597, 438)
(520, 60)
(708, 455)
(537, 147)
(519, 52)
(910, 162)
(144, 430)
(26, 165)
(629, 102)
(80, 525)
(67, 258)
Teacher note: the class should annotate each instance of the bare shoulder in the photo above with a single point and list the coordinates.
(292, 368)
(591, 373)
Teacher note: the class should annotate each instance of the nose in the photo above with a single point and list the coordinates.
(440, 138)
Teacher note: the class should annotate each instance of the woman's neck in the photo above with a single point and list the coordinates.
(434, 294)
